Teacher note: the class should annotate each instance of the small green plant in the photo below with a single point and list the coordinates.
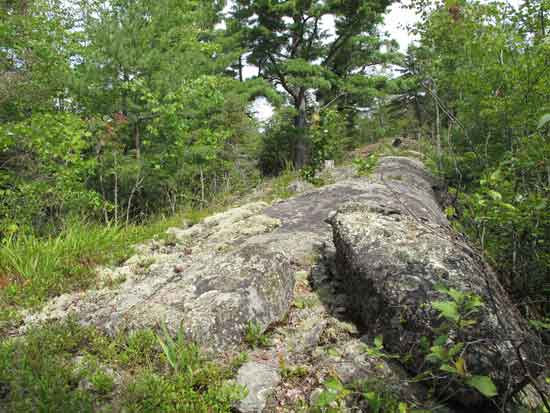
(379, 397)
(145, 263)
(365, 166)
(169, 239)
(378, 349)
(280, 184)
(255, 336)
(309, 174)
(332, 398)
(459, 313)
(102, 382)
(306, 302)
(179, 353)
(292, 372)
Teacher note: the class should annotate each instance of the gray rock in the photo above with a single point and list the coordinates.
(394, 246)
(212, 278)
(298, 186)
(260, 380)
(216, 279)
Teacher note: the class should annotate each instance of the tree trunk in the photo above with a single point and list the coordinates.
(300, 149)
(241, 68)
(437, 130)
(202, 188)
(137, 141)
(417, 110)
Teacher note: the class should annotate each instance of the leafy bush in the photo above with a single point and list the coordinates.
(509, 214)
(278, 144)
(44, 172)
(365, 166)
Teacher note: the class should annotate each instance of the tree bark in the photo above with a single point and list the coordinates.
(137, 141)
(241, 68)
(301, 147)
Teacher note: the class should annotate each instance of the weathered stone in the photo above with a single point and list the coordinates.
(260, 380)
(212, 278)
(394, 246)
(393, 243)
(211, 291)
(298, 186)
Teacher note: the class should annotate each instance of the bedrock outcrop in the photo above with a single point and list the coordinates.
(396, 255)
(392, 250)
(214, 278)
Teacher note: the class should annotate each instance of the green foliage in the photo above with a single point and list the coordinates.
(509, 214)
(255, 335)
(332, 398)
(483, 384)
(291, 373)
(44, 172)
(118, 111)
(40, 373)
(278, 143)
(328, 138)
(365, 166)
(179, 354)
(374, 395)
(37, 41)
(460, 315)
(278, 187)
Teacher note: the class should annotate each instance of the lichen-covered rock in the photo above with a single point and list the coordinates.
(214, 280)
(393, 244)
(260, 380)
(394, 247)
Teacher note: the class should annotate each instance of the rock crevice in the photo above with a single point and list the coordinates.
(377, 259)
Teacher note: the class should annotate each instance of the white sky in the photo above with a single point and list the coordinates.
(396, 21)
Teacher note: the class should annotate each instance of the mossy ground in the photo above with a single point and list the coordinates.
(67, 367)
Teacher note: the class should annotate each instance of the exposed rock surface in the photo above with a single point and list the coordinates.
(315, 344)
(394, 247)
(275, 265)
(212, 278)
(260, 381)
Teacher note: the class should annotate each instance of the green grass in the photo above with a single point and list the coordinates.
(34, 269)
(278, 186)
(40, 373)
(255, 335)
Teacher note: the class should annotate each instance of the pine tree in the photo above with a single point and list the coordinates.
(290, 45)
